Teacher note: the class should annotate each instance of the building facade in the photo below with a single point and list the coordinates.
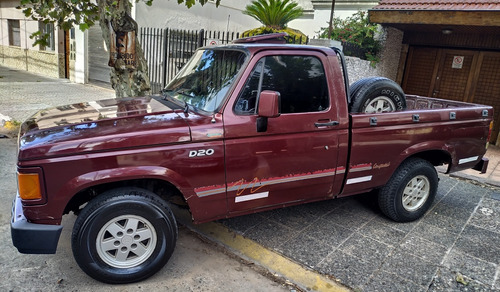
(450, 49)
(16, 46)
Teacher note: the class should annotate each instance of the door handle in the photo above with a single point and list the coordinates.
(328, 124)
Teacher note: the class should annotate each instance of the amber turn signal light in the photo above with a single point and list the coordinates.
(29, 186)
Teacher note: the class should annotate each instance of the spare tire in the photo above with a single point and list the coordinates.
(353, 88)
(376, 95)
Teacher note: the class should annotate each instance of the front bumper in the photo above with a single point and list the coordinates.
(29, 237)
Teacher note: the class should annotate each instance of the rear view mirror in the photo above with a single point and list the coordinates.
(269, 104)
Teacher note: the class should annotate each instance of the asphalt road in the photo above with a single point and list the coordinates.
(194, 266)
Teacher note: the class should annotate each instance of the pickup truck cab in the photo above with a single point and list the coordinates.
(243, 128)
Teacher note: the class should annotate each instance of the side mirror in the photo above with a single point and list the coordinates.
(269, 104)
(269, 107)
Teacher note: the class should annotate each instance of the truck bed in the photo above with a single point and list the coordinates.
(428, 128)
(415, 102)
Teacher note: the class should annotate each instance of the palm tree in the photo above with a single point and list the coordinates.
(274, 15)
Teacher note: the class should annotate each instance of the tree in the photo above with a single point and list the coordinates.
(129, 74)
(275, 16)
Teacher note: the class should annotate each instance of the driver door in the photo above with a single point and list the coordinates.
(295, 157)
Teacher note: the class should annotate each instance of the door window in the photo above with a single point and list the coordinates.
(300, 80)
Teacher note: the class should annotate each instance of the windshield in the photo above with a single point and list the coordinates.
(204, 81)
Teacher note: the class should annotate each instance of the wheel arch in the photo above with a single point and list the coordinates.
(169, 187)
(435, 157)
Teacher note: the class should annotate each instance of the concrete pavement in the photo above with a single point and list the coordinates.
(453, 248)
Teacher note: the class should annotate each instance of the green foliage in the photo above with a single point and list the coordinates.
(356, 30)
(294, 36)
(190, 3)
(274, 13)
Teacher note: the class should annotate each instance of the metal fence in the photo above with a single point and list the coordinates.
(167, 50)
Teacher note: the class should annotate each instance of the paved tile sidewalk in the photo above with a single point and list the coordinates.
(351, 240)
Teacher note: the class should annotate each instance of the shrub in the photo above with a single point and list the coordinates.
(354, 31)
(294, 36)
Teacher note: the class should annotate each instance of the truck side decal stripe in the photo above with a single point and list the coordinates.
(203, 193)
(361, 167)
(241, 185)
(470, 159)
(237, 186)
(251, 197)
(359, 179)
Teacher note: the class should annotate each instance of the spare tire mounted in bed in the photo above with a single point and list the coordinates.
(376, 95)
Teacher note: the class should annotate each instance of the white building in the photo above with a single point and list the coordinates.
(16, 47)
(229, 17)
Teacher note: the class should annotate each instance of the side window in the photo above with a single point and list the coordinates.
(300, 80)
(247, 101)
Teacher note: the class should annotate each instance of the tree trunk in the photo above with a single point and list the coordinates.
(128, 78)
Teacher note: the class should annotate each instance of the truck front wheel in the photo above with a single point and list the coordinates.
(410, 191)
(123, 236)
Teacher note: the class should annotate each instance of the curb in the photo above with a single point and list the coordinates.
(302, 277)
(9, 129)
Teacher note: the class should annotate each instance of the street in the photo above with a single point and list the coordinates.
(195, 265)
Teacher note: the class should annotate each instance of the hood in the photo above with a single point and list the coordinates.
(101, 125)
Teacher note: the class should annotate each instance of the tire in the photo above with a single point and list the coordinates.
(376, 95)
(131, 220)
(353, 88)
(410, 191)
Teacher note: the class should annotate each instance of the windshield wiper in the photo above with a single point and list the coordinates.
(168, 97)
(186, 105)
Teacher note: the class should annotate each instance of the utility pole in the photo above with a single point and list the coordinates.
(330, 27)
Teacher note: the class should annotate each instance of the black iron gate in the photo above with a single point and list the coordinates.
(167, 50)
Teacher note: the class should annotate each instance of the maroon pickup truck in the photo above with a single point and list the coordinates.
(243, 128)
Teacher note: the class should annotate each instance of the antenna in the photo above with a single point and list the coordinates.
(227, 27)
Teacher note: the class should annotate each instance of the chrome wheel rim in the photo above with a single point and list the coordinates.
(126, 241)
(416, 192)
(380, 104)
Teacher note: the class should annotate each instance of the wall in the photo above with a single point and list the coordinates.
(169, 14)
(389, 58)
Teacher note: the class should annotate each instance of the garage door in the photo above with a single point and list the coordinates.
(463, 75)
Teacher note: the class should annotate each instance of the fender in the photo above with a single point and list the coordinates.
(447, 151)
(91, 179)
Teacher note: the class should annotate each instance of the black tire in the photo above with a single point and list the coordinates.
(354, 88)
(132, 220)
(376, 95)
(410, 191)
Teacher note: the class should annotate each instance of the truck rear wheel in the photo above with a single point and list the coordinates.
(376, 95)
(410, 191)
(123, 236)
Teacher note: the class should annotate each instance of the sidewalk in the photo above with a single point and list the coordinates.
(22, 94)
(492, 175)
(454, 247)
